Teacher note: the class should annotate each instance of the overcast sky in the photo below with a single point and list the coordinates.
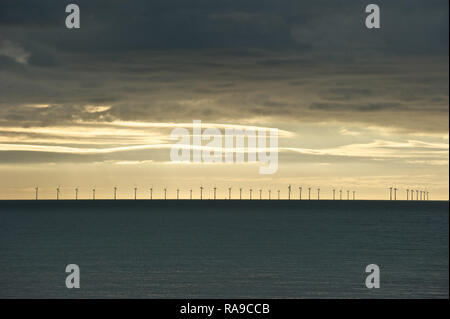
(362, 109)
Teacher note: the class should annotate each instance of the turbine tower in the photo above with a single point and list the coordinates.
(251, 190)
(417, 194)
(37, 192)
(57, 193)
(340, 194)
(215, 192)
(309, 193)
(178, 193)
(165, 193)
(407, 194)
(300, 193)
(93, 193)
(201, 192)
(115, 192)
(395, 193)
(229, 192)
(348, 194)
(190, 194)
(269, 194)
(278, 194)
(76, 193)
(390, 193)
(289, 192)
(353, 195)
(334, 194)
(151, 193)
(135, 193)
(318, 194)
(240, 193)
(260, 194)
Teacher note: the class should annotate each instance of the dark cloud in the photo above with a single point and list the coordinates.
(165, 60)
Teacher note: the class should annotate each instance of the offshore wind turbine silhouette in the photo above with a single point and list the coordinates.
(93, 193)
(407, 194)
(318, 194)
(135, 193)
(395, 193)
(260, 194)
(340, 194)
(151, 192)
(178, 193)
(251, 190)
(240, 193)
(201, 192)
(278, 194)
(353, 195)
(57, 193)
(334, 194)
(390, 193)
(229, 193)
(36, 192)
(76, 193)
(348, 194)
(289, 192)
(309, 193)
(270, 191)
(215, 192)
(417, 194)
(190, 193)
(115, 192)
(300, 193)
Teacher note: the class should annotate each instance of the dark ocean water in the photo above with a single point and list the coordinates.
(224, 249)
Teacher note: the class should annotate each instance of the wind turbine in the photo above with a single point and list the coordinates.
(37, 192)
(190, 194)
(278, 194)
(76, 193)
(201, 192)
(240, 193)
(407, 194)
(395, 193)
(251, 190)
(390, 193)
(57, 193)
(115, 192)
(270, 193)
(289, 192)
(353, 195)
(229, 192)
(135, 193)
(165, 193)
(260, 194)
(417, 194)
(309, 193)
(93, 193)
(334, 194)
(178, 193)
(340, 194)
(318, 194)
(300, 193)
(151, 193)
(215, 192)
(348, 194)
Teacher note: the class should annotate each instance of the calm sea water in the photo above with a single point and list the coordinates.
(224, 249)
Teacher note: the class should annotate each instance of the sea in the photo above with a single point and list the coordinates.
(224, 248)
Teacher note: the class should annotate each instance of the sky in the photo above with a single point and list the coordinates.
(357, 109)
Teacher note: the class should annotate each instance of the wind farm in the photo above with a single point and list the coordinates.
(410, 194)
